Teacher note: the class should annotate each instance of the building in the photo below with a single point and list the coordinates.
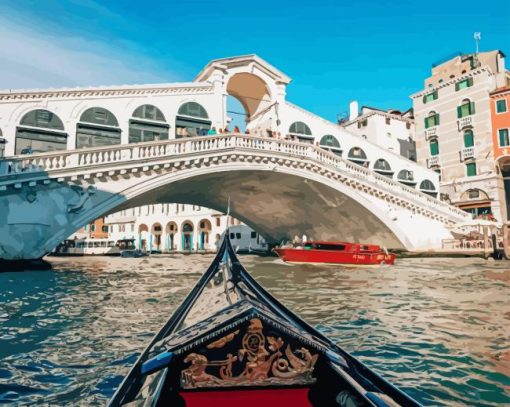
(500, 113)
(389, 129)
(454, 130)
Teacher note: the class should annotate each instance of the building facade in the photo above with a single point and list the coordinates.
(454, 131)
(389, 129)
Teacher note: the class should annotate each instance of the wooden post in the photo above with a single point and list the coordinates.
(506, 249)
(485, 242)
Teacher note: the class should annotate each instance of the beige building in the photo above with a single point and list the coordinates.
(453, 131)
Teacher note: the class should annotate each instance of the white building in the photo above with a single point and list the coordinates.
(389, 129)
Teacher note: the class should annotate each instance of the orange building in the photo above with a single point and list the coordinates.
(500, 120)
(98, 230)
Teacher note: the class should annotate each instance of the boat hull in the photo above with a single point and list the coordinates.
(295, 255)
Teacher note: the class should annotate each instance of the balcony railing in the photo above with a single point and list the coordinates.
(430, 132)
(467, 153)
(465, 121)
(433, 161)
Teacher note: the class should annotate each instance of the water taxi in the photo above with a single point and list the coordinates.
(335, 252)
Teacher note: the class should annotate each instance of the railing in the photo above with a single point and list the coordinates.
(433, 161)
(430, 132)
(118, 154)
(469, 244)
(465, 121)
(466, 153)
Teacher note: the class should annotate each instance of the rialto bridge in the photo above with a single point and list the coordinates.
(72, 155)
(279, 187)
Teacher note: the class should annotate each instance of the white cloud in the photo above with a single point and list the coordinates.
(30, 59)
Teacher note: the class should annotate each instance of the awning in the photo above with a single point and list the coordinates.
(473, 204)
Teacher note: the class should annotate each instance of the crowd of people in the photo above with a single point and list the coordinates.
(259, 132)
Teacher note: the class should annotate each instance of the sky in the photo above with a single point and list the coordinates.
(376, 52)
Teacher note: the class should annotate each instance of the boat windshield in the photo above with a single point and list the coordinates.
(324, 246)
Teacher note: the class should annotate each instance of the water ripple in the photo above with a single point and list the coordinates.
(435, 327)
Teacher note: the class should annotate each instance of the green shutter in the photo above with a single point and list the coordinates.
(471, 169)
(470, 82)
(459, 112)
(434, 148)
(426, 123)
(424, 99)
(503, 138)
(501, 106)
(472, 108)
(469, 140)
(435, 95)
(437, 119)
(457, 86)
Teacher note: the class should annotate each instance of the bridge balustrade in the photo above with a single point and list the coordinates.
(121, 153)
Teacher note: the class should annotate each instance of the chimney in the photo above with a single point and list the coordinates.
(353, 109)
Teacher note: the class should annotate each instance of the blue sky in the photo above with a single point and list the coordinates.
(377, 52)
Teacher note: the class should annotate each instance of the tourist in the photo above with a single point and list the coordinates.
(247, 131)
(237, 130)
(221, 131)
(212, 131)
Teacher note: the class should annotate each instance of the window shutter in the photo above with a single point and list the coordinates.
(459, 112)
(435, 95)
(457, 86)
(437, 119)
(470, 81)
(426, 123)
(472, 108)
(424, 99)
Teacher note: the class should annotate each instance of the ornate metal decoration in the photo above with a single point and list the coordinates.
(261, 361)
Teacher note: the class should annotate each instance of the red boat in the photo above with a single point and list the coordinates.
(335, 252)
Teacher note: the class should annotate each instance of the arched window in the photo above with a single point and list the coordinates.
(301, 132)
(147, 124)
(97, 127)
(432, 119)
(187, 227)
(434, 147)
(466, 108)
(428, 187)
(330, 143)
(40, 131)
(406, 177)
(192, 120)
(358, 156)
(383, 167)
(469, 138)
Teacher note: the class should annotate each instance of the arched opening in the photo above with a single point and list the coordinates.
(192, 120)
(428, 187)
(383, 167)
(171, 231)
(147, 124)
(331, 143)
(358, 156)
(142, 236)
(187, 236)
(155, 237)
(406, 177)
(40, 131)
(204, 230)
(97, 127)
(2, 145)
(249, 105)
(432, 119)
(477, 202)
(301, 132)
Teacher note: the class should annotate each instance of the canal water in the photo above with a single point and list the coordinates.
(437, 328)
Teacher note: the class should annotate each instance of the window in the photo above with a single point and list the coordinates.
(469, 139)
(503, 138)
(97, 127)
(471, 169)
(192, 120)
(434, 147)
(218, 221)
(388, 120)
(474, 194)
(467, 108)
(238, 235)
(432, 120)
(428, 187)
(383, 167)
(466, 83)
(40, 131)
(104, 229)
(330, 143)
(148, 124)
(92, 227)
(301, 131)
(253, 235)
(232, 236)
(406, 177)
(430, 97)
(501, 106)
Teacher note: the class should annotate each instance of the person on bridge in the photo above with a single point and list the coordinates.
(236, 129)
(212, 131)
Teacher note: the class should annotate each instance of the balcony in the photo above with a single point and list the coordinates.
(430, 132)
(433, 161)
(465, 122)
(467, 153)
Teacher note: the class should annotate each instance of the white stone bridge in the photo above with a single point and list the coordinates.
(280, 188)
